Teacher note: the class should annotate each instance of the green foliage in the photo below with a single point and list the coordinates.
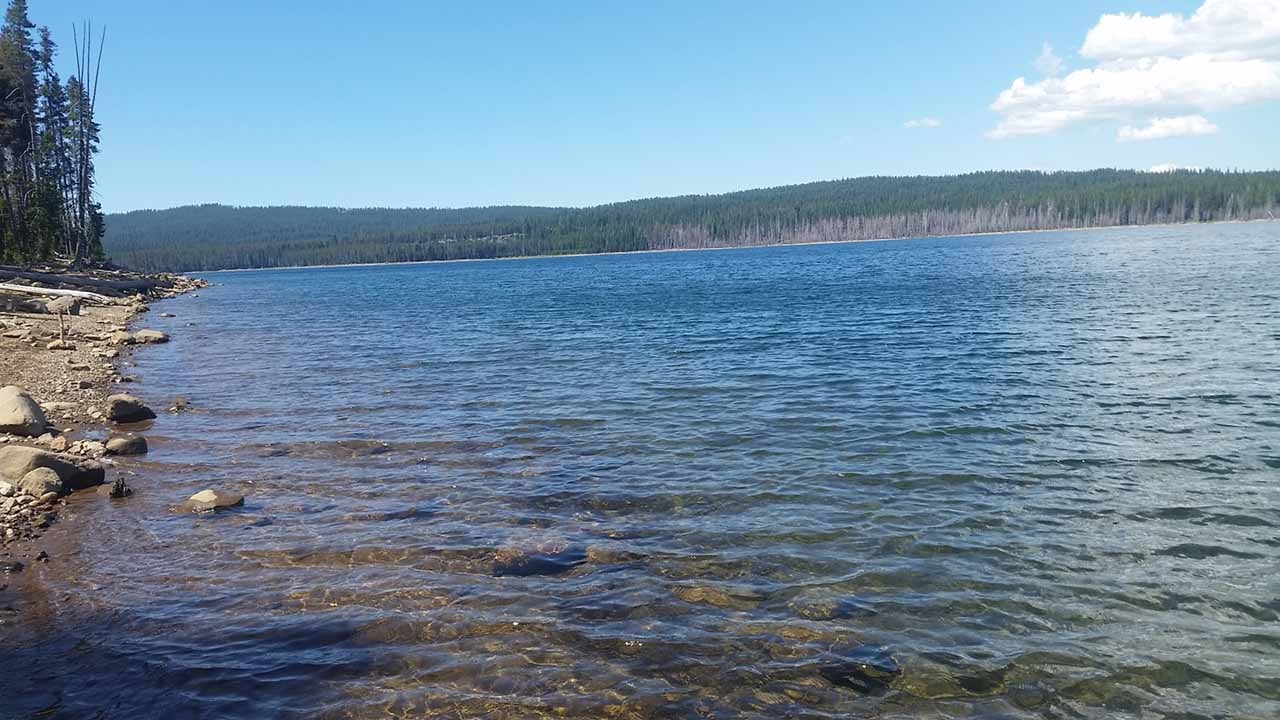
(48, 140)
(212, 237)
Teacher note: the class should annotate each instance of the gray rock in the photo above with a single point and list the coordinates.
(133, 445)
(60, 345)
(150, 336)
(41, 481)
(19, 413)
(76, 473)
(6, 490)
(210, 500)
(127, 409)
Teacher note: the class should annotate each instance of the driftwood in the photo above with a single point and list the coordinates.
(63, 293)
(141, 284)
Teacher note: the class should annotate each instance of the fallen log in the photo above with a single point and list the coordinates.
(85, 295)
(141, 284)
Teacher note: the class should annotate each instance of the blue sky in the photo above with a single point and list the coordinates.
(392, 103)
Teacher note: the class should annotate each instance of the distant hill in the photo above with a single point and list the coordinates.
(215, 237)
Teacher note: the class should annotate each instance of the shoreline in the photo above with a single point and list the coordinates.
(68, 365)
(737, 247)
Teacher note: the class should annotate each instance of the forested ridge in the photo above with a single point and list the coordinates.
(214, 237)
(48, 140)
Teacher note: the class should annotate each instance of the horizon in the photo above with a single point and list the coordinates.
(581, 105)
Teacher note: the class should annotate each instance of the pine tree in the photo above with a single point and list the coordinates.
(48, 140)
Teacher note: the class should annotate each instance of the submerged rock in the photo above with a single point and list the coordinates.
(19, 413)
(523, 562)
(127, 409)
(869, 670)
(76, 473)
(210, 500)
(728, 597)
(133, 445)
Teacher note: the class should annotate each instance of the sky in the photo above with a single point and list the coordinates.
(396, 103)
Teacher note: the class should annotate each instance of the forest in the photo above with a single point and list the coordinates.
(48, 140)
(216, 237)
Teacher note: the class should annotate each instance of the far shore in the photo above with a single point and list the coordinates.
(739, 247)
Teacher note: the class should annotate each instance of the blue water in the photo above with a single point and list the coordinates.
(1012, 476)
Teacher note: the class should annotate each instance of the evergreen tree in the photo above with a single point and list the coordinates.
(48, 140)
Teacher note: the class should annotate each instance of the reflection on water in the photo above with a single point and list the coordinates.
(1023, 476)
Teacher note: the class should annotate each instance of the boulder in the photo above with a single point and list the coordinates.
(6, 490)
(127, 408)
(133, 445)
(76, 473)
(19, 414)
(210, 500)
(150, 336)
(41, 481)
(60, 345)
(121, 337)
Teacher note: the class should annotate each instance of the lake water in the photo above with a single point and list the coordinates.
(1012, 476)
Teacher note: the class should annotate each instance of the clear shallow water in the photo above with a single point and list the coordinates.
(1019, 476)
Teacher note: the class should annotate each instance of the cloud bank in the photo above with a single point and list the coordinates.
(1161, 70)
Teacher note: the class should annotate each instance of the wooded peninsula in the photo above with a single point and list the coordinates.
(218, 237)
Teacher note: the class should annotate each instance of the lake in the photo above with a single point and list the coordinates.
(1023, 476)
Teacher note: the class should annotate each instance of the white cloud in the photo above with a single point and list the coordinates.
(1047, 63)
(1226, 54)
(924, 122)
(1236, 28)
(1171, 167)
(1168, 127)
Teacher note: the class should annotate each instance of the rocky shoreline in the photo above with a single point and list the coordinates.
(62, 335)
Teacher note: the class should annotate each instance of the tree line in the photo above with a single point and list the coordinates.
(215, 237)
(48, 140)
